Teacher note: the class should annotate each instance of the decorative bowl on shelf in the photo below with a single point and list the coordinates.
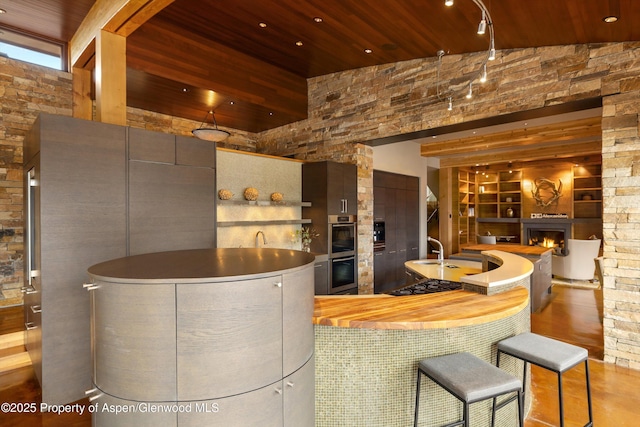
(251, 193)
(277, 197)
(225, 194)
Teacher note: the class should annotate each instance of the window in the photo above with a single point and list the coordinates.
(30, 49)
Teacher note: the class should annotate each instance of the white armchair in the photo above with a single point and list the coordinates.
(578, 263)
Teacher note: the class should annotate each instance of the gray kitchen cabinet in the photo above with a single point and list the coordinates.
(227, 333)
(171, 207)
(321, 273)
(299, 397)
(236, 325)
(94, 192)
(297, 305)
(131, 320)
(262, 407)
(171, 192)
(75, 201)
(139, 414)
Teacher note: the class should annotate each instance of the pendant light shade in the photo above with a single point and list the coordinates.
(212, 134)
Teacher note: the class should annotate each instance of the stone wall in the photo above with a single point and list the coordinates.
(25, 90)
(349, 108)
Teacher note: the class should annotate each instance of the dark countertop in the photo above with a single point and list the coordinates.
(199, 265)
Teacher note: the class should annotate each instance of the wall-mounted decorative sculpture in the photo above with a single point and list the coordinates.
(544, 191)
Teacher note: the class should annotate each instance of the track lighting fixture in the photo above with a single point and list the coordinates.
(456, 89)
(482, 26)
(483, 77)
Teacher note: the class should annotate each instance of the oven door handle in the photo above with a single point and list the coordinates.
(344, 259)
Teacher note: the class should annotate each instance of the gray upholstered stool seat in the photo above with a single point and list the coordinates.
(554, 355)
(470, 380)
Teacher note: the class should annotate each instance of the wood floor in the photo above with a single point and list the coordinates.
(574, 315)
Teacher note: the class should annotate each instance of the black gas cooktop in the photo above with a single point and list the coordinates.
(427, 286)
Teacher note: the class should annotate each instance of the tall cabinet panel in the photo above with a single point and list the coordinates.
(396, 204)
(80, 220)
(332, 189)
(95, 192)
(171, 202)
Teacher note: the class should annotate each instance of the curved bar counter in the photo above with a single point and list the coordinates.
(368, 347)
(210, 337)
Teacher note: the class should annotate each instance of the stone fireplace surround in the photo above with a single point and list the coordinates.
(552, 225)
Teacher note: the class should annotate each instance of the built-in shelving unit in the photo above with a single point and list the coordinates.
(499, 204)
(587, 201)
(587, 191)
(510, 194)
(487, 200)
(466, 207)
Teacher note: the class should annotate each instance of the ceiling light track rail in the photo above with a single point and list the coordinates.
(485, 24)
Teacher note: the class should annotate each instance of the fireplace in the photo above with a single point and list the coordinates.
(547, 232)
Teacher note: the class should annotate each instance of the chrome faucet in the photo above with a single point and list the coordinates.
(440, 252)
(264, 239)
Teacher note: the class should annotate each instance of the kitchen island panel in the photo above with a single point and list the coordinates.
(367, 376)
(131, 320)
(229, 337)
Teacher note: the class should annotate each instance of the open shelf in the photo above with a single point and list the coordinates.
(263, 222)
(262, 203)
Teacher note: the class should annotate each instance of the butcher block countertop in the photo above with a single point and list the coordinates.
(430, 311)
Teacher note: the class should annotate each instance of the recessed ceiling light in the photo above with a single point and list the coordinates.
(232, 102)
(299, 43)
(368, 51)
(317, 19)
(2, 11)
(271, 113)
(262, 25)
(610, 19)
(184, 89)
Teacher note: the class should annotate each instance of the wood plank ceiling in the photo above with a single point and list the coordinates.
(194, 56)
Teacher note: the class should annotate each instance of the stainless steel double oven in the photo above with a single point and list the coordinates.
(342, 254)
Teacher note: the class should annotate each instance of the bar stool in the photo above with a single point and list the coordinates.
(470, 380)
(554, 355)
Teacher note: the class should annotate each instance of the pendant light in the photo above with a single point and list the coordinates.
(212, 134)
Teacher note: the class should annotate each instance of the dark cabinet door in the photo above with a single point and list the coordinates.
(397, 196)
(342, 193)
(412, 219)
(350, 180)
(379, 267)
(335, 189)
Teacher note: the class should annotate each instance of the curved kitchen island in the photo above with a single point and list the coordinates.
(204, 337)
(368, 347)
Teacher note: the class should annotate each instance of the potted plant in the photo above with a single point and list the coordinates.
(306, 235)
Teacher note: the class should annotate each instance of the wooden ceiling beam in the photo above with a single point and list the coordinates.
(523, 154)
(120, 17)
(583, 129)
